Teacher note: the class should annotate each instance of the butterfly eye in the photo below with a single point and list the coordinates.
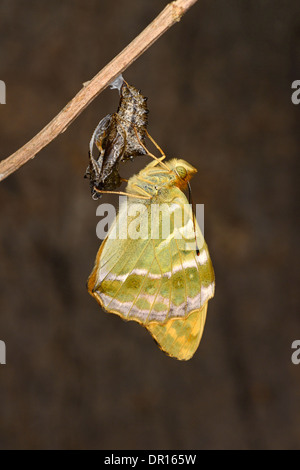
(181, 171)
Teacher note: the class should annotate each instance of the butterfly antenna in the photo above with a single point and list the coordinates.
(194, 216)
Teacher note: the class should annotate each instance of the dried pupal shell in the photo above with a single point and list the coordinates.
(118, 137)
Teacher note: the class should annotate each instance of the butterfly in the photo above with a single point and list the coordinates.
(162, 282)
(118, 137)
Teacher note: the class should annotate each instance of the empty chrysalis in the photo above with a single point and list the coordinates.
(117, 138)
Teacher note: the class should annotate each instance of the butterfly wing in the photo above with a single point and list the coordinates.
(178, 338)
(158, 281)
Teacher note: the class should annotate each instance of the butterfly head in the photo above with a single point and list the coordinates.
(182, 170)
(156, 178)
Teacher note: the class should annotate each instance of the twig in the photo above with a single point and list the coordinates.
(171, 14)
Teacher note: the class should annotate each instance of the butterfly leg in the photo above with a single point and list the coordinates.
(156, 145)
(159, 160)
(101, 191)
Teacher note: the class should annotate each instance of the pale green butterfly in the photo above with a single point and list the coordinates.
(161, 283)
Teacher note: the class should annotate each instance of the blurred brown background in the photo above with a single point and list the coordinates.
(219, 88)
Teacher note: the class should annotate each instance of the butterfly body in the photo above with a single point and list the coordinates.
(162, 278)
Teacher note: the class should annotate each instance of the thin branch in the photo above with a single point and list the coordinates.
(171, 14)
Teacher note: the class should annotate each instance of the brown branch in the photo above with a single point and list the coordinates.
(171, 14)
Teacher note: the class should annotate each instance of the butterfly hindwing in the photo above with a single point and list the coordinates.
(179, 338)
